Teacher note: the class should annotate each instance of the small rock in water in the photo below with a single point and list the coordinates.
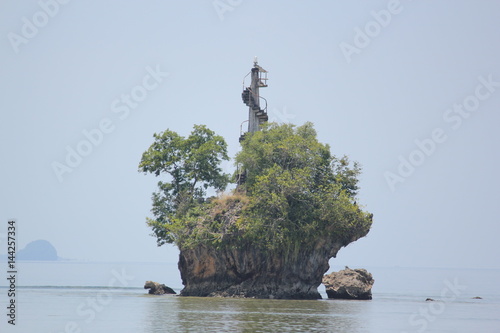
(349, 284)
(156, 288)
(477, 297)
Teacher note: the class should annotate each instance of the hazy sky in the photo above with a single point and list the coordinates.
(410, 89)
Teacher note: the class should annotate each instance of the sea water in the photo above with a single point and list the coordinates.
(56, 297)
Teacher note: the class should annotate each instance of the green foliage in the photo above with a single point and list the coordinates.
(296, 191)
(193, 167)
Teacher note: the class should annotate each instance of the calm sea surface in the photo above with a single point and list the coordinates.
(108, 297)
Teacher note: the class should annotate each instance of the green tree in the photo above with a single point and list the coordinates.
(298, 191)
(193, 167)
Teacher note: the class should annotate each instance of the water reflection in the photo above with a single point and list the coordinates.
(193, 314)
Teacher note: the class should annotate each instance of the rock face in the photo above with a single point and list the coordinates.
(349, 284)
(244, 271)
(240, 267)
(158, 289)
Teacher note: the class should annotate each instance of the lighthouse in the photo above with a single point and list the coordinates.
(257, 114)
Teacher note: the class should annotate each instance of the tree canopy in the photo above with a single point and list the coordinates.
(193, 166)
(295, 190)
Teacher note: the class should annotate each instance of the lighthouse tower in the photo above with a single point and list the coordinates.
(257, 115)
(251, 97)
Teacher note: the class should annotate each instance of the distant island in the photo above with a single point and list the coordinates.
(39, 250)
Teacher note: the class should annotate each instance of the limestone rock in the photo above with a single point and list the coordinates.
(156, 288)
(349, 284)
(241, 269)
(245, 271)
